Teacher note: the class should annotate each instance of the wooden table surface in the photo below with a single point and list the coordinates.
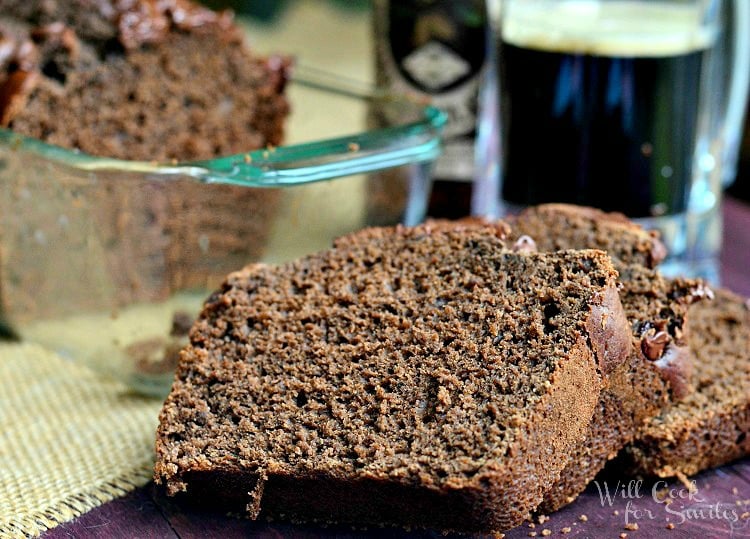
(719, 507)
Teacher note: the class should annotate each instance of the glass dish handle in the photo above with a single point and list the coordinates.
(416, 142)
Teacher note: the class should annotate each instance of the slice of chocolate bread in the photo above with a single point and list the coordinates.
(711, 426)
(423, 376)
(657, 371)
(137, 80)
(567, 226)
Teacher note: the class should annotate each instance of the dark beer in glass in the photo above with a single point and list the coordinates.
(601, 109)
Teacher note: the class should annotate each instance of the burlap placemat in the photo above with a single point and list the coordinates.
(69, 441)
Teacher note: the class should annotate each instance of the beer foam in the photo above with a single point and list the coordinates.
(608, 28)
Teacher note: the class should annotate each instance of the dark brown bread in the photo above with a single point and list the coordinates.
(128, 23)
(657, 371)
(567, 226)
(421, 376)
(143, 80)
(640, 388)
(711, 426)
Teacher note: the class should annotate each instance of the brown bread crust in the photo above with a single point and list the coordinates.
(414, 334)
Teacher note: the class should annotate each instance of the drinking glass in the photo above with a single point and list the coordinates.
(633, 106)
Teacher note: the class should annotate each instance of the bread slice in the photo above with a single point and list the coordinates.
(711, 426)
(424, 376)
(568, 226)
(658, 369)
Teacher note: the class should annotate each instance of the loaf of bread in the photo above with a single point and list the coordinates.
(657, 373)
(428, 376)
(140, 80)
(711, 426)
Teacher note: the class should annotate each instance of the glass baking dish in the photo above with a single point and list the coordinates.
(107, 262)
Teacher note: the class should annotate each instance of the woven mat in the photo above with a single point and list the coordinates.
(69, 441)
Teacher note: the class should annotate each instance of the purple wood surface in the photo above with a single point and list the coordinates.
(133, 515)
(735, 255)
(719, 506)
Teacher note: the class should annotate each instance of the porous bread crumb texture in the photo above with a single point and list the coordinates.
(175, 99)
(711, 426)
(565, 226)
(418, 377)
(638, 388)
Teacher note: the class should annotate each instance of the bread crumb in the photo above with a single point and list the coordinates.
(353, 147)
(532, 525)
(615, 512)
(542, 519)
(583, 518)
(692, 488)
(546, 532)
(632, 526)
(670, 526)
(623, 535)
(745, 515)
(735, 491)
(532, 534)
(248, 158)
(566, 529)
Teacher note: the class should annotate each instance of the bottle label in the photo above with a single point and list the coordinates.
(434, 51)
(435, 66)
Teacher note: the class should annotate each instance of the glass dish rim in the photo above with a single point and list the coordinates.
(414, 142)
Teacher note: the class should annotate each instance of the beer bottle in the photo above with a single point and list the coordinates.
(435, 49)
